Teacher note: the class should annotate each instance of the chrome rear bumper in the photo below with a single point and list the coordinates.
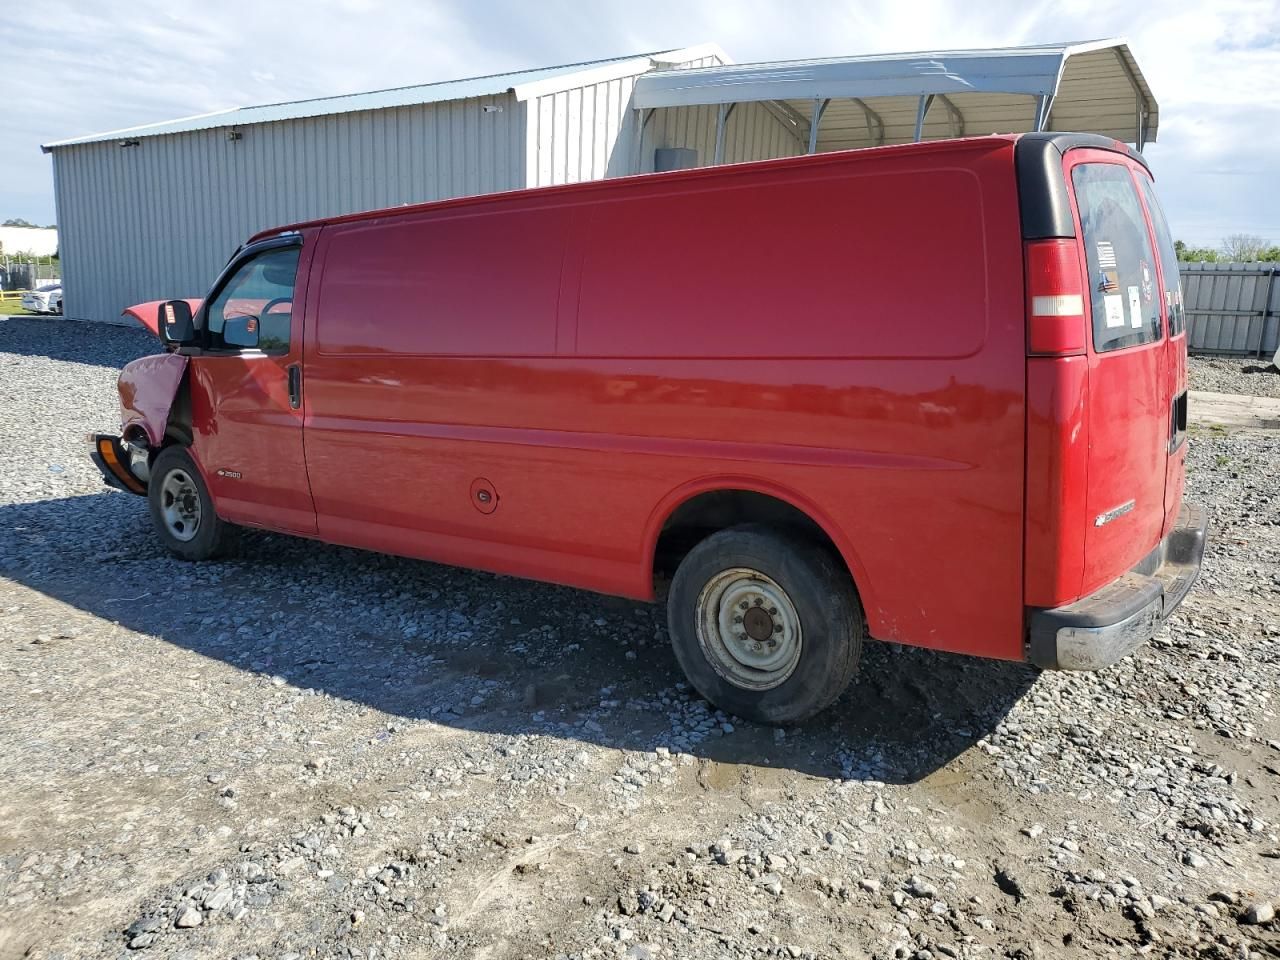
(1106, 626)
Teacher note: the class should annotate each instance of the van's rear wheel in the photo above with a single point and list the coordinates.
(765, 625)
(182, 510)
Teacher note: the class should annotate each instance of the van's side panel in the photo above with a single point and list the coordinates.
(846, 334)
(908, 268)
(428, 330)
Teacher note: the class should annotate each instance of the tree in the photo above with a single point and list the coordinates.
(1194, 254)
(1244, 247)
(17, 222)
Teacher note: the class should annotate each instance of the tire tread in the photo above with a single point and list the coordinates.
(216, 538)
(796, 559)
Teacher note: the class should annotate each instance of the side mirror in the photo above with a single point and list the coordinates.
(176, 325)
(240, 332)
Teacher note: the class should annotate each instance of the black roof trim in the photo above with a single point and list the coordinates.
(1042, 187)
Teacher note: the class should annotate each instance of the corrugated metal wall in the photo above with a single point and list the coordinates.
(589, 132)
(160, 219)
(1232, 308)
(584, 133)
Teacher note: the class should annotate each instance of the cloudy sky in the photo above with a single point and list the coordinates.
(73, 68)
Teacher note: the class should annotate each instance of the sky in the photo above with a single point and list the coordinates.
(79, 68)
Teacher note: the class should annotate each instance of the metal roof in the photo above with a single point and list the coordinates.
(522, 83)
(1091, 86)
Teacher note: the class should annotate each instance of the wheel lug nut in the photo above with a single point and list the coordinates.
(744, 605)
(777, 628)
(773, 611)
(737, 619)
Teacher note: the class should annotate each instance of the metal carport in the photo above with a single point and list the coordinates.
(845, 102)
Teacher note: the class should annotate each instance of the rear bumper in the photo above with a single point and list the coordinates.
(1097, 630)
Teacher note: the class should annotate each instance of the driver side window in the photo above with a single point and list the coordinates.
(261, 289)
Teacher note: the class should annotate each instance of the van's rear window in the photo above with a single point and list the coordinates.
(1168, 259)
(1122, 273)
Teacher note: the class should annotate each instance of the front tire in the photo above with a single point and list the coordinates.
(765, 625)
(182, 509)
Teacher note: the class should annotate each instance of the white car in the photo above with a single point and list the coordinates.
(44, 299)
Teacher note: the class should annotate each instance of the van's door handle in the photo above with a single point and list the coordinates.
(295, 385)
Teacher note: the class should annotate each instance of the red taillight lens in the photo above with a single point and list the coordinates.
(1055, 298)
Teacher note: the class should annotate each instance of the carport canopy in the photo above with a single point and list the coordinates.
(841, 103)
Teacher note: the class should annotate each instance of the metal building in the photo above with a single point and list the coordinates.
(154, 211)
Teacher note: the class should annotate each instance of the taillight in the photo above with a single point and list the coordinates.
(1055, 298)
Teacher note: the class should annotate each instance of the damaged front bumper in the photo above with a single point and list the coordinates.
(1106, 626)
(117, 462)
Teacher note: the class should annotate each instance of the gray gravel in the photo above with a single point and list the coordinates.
(1243, 375)
(309, 751)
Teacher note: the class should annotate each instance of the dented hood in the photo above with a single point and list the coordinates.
(148, 314)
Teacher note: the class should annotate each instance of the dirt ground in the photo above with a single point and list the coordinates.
(308, 751)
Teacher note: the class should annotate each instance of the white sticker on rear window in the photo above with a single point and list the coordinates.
(1135, 308)
(1114, 304)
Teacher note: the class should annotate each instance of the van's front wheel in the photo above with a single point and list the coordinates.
(765, 625)
(182, 509)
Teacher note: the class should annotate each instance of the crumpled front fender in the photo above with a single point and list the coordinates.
(148, 386)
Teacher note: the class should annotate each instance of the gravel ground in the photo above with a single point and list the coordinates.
(315, 752)
(1244, 375)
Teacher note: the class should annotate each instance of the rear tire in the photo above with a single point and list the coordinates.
(182, 509)
(765, 625)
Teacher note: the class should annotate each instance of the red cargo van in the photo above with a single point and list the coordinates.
(933, 394)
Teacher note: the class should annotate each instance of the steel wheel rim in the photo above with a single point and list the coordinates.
(180, 505)
(748, 629)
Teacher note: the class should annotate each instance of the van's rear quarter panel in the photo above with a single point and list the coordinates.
(1057, 478)
(847, 335)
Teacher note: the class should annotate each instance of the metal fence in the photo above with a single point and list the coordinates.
(1232, 308)
(26, 273)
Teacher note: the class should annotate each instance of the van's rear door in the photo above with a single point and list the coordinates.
(1129, 376)
(1175, 350)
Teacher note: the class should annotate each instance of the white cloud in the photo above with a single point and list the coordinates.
(116, 64)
